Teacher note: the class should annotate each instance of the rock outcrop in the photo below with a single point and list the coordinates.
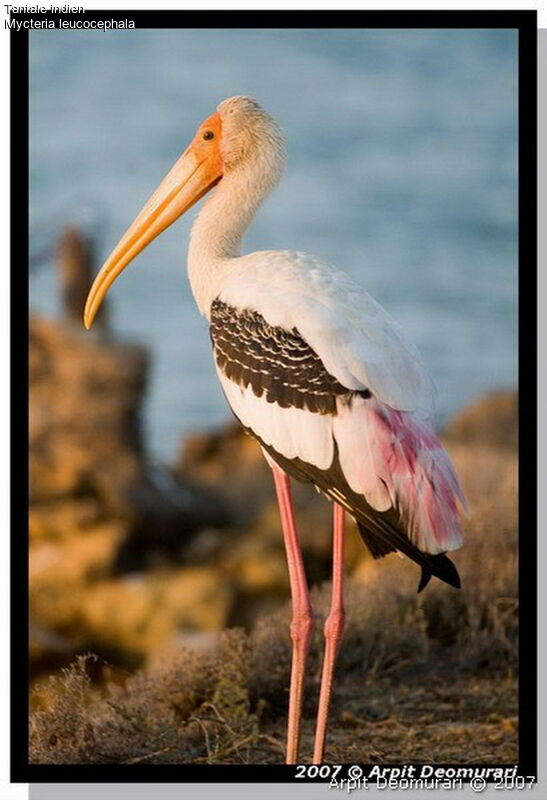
(490, 419)
(99, 509)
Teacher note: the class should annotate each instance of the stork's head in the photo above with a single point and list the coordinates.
(237, 136)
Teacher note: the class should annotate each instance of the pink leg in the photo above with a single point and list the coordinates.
(334, 627)
(302, 615)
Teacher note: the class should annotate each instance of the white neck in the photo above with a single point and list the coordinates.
(219, 227)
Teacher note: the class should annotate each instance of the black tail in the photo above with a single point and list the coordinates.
(382, 538)
(443, 568)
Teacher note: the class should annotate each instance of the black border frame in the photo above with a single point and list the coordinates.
(526, 23)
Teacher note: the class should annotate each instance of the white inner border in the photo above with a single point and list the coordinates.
(19, 791)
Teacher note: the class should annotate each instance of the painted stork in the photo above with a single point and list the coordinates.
(313, 368)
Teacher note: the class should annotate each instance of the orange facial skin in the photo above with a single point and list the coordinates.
(194, 174)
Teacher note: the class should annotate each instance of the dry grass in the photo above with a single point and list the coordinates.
(420, 677)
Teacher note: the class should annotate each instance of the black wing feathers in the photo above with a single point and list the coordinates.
(275, 362)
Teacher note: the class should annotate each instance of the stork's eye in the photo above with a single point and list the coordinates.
(208, 135)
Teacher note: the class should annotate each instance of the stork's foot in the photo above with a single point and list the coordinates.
(301, 634)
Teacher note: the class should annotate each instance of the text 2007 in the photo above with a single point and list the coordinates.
(317, 771)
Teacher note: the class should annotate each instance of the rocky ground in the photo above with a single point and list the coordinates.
(174, 578)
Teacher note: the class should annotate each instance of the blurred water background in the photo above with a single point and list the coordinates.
(402, 171)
